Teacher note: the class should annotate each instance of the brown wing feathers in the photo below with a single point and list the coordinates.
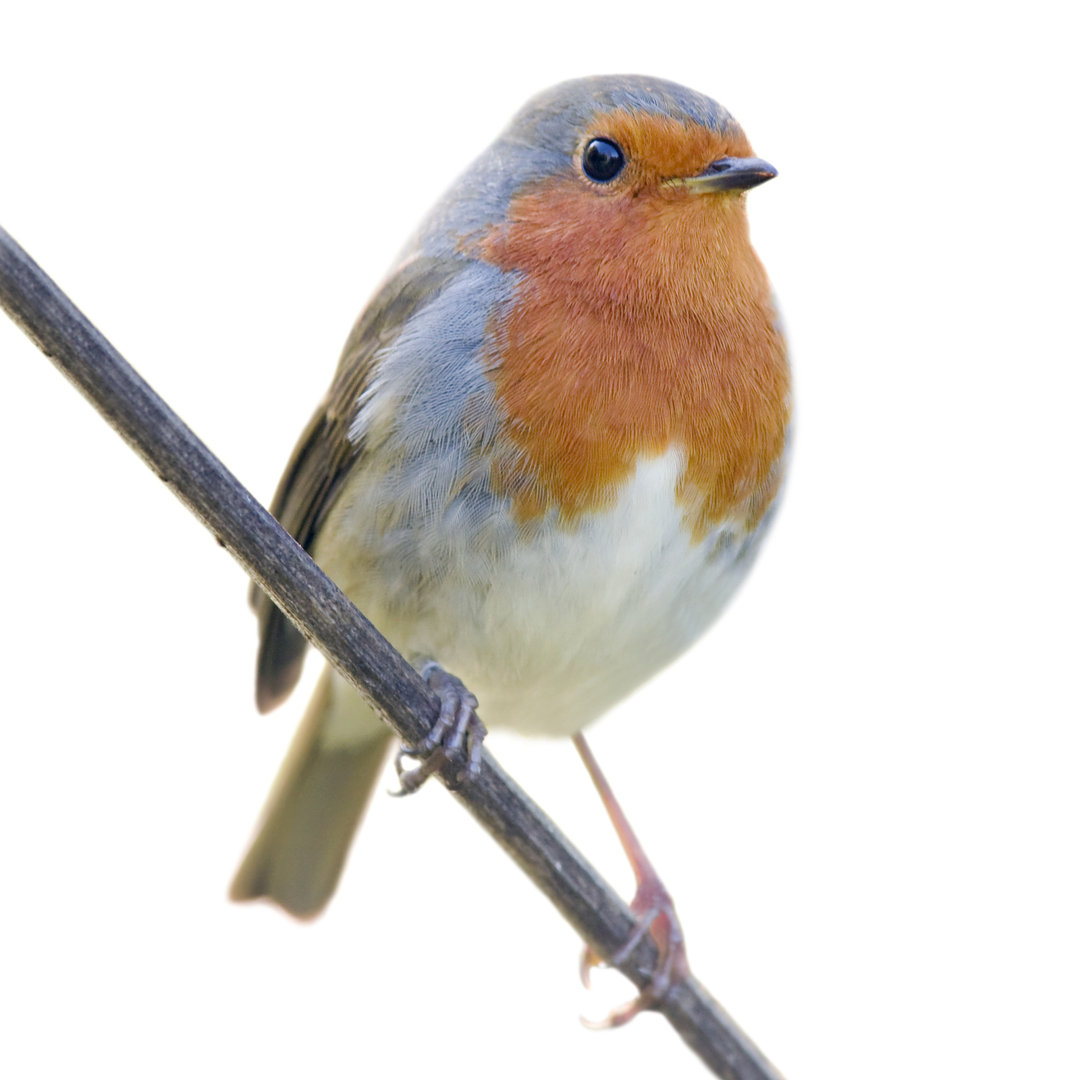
(325, 455)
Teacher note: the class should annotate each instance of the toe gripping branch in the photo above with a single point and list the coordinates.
(655, 915)
(456, 736)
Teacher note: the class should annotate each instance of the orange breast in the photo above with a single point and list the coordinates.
(639, 324)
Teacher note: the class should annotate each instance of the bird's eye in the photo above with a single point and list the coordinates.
(602, 160)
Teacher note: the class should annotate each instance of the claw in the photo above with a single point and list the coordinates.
(616, 1018)
(457, 732)
(589, 960)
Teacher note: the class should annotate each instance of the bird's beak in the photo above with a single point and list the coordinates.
(730, 174)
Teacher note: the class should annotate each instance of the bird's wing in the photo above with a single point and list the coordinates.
(326, 454)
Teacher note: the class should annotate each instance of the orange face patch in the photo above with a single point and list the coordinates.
(660, 148)
(642, 322)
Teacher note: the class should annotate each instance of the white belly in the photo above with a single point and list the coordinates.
(551, 630)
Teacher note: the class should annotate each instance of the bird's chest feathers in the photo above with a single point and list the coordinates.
(651, 330)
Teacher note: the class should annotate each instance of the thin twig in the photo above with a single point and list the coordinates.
(356, 649)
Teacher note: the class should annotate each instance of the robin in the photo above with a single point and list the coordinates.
(552, 447)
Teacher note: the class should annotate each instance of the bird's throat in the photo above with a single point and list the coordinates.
(652, 328)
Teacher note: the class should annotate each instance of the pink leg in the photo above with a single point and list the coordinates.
(652, 904)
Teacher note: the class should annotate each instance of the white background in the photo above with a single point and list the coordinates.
(861, 786)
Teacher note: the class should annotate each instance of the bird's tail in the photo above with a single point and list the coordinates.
(316, 803)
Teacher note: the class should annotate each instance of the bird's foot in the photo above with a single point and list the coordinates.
(655, 915)
(456, 735)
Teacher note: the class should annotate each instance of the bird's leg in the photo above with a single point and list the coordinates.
(652, 905)
(456, 733)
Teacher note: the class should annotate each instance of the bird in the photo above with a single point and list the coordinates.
(554, 442)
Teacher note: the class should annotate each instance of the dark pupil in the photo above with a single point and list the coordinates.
(602, 160)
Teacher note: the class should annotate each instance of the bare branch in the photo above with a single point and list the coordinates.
(355, 648)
